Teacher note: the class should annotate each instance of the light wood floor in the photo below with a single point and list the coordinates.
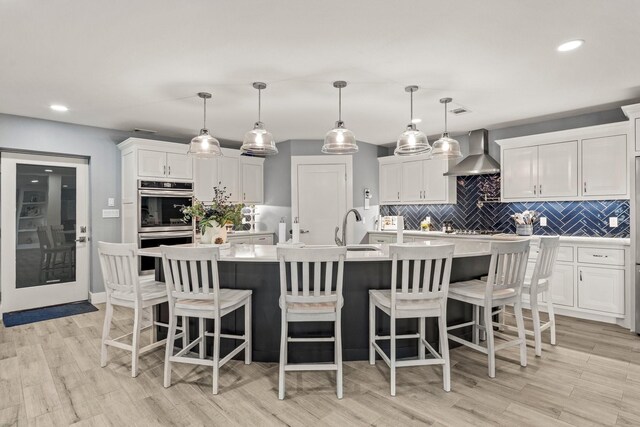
(50, 375)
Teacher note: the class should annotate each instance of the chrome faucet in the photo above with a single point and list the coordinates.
(343, 241)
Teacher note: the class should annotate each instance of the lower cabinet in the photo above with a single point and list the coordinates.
(261, 239)
(601, 289)
(561, 286)
(382, 238)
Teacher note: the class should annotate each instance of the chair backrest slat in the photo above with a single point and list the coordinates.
(546, 262)
(192, 273)
(305, 279)
(119, 265)
(317, 284)
(507, 266)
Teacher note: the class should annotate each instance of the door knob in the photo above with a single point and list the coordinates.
(304, 231)
(81, 239)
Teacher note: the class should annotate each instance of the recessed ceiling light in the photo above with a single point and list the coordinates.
(416, 120)
(34, 181)
(570, 45)
(48, 170)
(58, 107)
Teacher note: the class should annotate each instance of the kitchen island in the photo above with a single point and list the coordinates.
(255, 267)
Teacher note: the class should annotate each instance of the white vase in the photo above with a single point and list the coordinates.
(211, 234)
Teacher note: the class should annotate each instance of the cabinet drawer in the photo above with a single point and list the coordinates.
(262, 240)
(605, 256)
(381, 238)
(565, 253)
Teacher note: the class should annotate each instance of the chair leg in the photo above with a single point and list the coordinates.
(247, 332)
(521, 333)
(185, 331)
(444, 352)
(372, 331)
(135, 343)
(476, 323)
(171, 334)
(392, 358)
(216, 354)
(283, 354)
(552, 319)
(537, 334)
(201, 330)
(338, 353)
(501, 318)
(491, 350)
(106, 329)
(154, 328)
(421, 329)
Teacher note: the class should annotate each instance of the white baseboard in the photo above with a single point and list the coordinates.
(98, 297)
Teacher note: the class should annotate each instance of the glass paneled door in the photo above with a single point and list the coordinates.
(44, 250)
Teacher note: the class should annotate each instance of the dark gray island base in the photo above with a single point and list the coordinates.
(263, 279)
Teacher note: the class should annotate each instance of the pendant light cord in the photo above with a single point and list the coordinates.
(445, 118)
(259, 105)
(205, 113)
(339, 104)
(411, 118)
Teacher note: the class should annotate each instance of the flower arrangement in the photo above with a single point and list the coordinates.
(218, 213)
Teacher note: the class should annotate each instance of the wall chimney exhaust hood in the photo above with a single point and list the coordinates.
(478, 162)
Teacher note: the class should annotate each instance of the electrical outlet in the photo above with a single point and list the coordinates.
(613, 221)
(543, 221)
(111, 202)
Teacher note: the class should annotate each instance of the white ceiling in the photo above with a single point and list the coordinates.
(130, 64)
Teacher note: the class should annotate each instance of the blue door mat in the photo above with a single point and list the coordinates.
(24, 317)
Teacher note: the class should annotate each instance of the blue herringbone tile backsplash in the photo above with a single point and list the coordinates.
(590, 218)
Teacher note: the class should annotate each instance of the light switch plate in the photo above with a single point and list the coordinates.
(110, 213)
(613, 221)
(111, 202)
(543, 221)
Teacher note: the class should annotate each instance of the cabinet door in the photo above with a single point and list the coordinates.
(412, 181)
(604, 166)
(152, 163)
(179, 166)
(434, 183)
(601, 289)
(390, 182)
(561, 285)
(520, 173)
(251, 182)
(229, 176)
(205, 177)
(558, 169)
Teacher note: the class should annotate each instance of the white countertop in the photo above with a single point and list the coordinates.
(267, 253)
(505, 236)
(248, 233)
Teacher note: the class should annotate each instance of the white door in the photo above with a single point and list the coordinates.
(321, 193)
(412, 181)
(251, 176)
(229, 176)
(390, 182)
(179, 166)
(152, 163)
(205, 177)
(434, 181)
(44, 250)
(558, 169)
(601, 289)
(520, 173)
(562, 285)
(604, 166)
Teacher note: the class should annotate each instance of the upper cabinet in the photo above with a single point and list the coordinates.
(415, 180)
(251, 177)
(579, 164)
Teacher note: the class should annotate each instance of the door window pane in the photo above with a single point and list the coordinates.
(46, 225)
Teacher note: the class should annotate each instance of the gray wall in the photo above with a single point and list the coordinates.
(277, 179)
(99, 145)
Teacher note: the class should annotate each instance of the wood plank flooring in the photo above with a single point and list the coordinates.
(50, 375)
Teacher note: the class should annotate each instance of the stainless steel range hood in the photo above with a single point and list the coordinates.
(478, 162)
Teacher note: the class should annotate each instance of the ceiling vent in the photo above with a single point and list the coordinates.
(460, 110)
(146, 131)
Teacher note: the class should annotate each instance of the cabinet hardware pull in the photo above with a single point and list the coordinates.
(600, 256)
(244, 196)
(581, 275)
(540, 190)
(534, 189)
(585, 186)
(164, 170)
(169, 170)
(398, 195)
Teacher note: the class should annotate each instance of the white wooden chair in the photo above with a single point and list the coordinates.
(424, 284)
(503, 286)
(119, 264)
(193, 286)
(535, 286)
(311, 300)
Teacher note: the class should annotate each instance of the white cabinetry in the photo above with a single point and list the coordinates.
(251, 239)
(179, 166)
(205, 177)
(229, 176)
(601, 289)
(562, 285)
(163, 164)
(415, 181)
(251, 177)
(588, 163)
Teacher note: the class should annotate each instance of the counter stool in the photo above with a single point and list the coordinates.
(193, 288)
(503, 286)
(535, 286)
(303, 300)
(429, 269)
(119, 264)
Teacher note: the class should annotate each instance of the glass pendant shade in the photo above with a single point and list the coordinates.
(412, 141)
(340, 140)
(259, 142)
(204, 145)
(446, 147)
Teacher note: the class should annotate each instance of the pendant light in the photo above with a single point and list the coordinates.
(412, 141)
(204, 145)
(259, 142)
(340, 140)
(446, 147)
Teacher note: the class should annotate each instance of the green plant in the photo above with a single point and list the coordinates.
(217, 213)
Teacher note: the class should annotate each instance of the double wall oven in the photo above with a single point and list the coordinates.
(159, 218)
